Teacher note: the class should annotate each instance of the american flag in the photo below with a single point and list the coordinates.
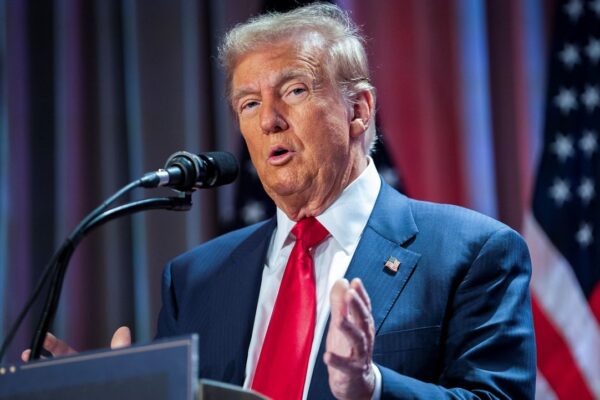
(562, 229)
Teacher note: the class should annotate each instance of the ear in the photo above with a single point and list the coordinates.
(361, 113)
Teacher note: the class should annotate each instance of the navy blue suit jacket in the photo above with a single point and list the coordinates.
(453, 322)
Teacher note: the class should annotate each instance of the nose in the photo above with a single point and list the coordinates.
(271, 118)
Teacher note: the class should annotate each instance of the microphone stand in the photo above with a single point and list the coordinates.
(66, 251)
(57, 267)
(95, 219)
(183, 171)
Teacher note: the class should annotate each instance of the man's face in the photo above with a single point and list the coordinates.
(296, 126)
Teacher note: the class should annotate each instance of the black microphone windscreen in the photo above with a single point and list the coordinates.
(225, 164)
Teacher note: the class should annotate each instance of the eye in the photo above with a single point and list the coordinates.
(248, 106)
(296, 93)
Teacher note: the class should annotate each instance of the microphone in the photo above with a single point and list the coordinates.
(185, 171)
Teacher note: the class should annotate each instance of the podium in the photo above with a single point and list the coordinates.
(161, 370)
(165, 369)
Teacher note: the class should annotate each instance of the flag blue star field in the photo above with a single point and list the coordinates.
(563, 228)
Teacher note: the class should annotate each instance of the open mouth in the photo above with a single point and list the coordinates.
(278, 152)
(280, 155)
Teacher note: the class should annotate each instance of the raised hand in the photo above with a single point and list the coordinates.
(56, 347)
(350, 339)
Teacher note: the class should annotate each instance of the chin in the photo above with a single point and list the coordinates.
(282, 191)
(283, 188)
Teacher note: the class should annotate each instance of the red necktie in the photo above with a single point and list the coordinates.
(281, 369)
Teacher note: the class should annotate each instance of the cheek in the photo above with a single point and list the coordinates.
(252, 140)
(333, 139)
(328, 127)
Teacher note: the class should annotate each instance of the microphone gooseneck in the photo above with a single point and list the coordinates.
(185, 171)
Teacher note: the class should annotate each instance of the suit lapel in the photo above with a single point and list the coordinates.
(390, 226)
(238, 298)
(383, 286)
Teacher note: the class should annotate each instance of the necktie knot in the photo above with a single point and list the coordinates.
(309, 232)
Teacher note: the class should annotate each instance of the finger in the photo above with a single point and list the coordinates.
(357, 285)
(336, 299)
(56, 346)
(121, 338)
(361, 316)
(26, 355)
(356, 338)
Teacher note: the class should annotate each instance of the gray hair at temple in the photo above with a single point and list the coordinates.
(345, 56)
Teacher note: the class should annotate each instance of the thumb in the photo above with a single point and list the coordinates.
(121, 338)
(25, 355)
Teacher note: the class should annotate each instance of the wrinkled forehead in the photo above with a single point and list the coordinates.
(297, 45)
(302, 43)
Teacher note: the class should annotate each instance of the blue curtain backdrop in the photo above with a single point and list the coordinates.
(94, 93)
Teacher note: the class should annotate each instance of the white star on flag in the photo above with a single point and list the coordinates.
(563, 147)
(566, 100)
(253, 212)
(569, 55)
(588, 142)
(389, 176)
(590, 97)
(560, 191)
(593, 50)
(584, 235)
(574, 9)
(586, 190)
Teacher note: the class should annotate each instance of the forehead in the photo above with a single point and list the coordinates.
(271, 62)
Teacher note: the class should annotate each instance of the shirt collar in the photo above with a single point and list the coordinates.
(345, 219)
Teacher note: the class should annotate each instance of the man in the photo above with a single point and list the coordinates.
(391, 297)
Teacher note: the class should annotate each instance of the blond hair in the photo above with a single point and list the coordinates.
(345, 55)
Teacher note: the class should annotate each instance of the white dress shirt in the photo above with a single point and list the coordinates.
(345, 220)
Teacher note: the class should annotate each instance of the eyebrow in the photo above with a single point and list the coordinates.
(284, 76)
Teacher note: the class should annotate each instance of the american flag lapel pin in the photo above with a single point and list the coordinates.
(392, 264)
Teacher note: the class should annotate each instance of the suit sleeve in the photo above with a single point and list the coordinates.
(488, 350)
